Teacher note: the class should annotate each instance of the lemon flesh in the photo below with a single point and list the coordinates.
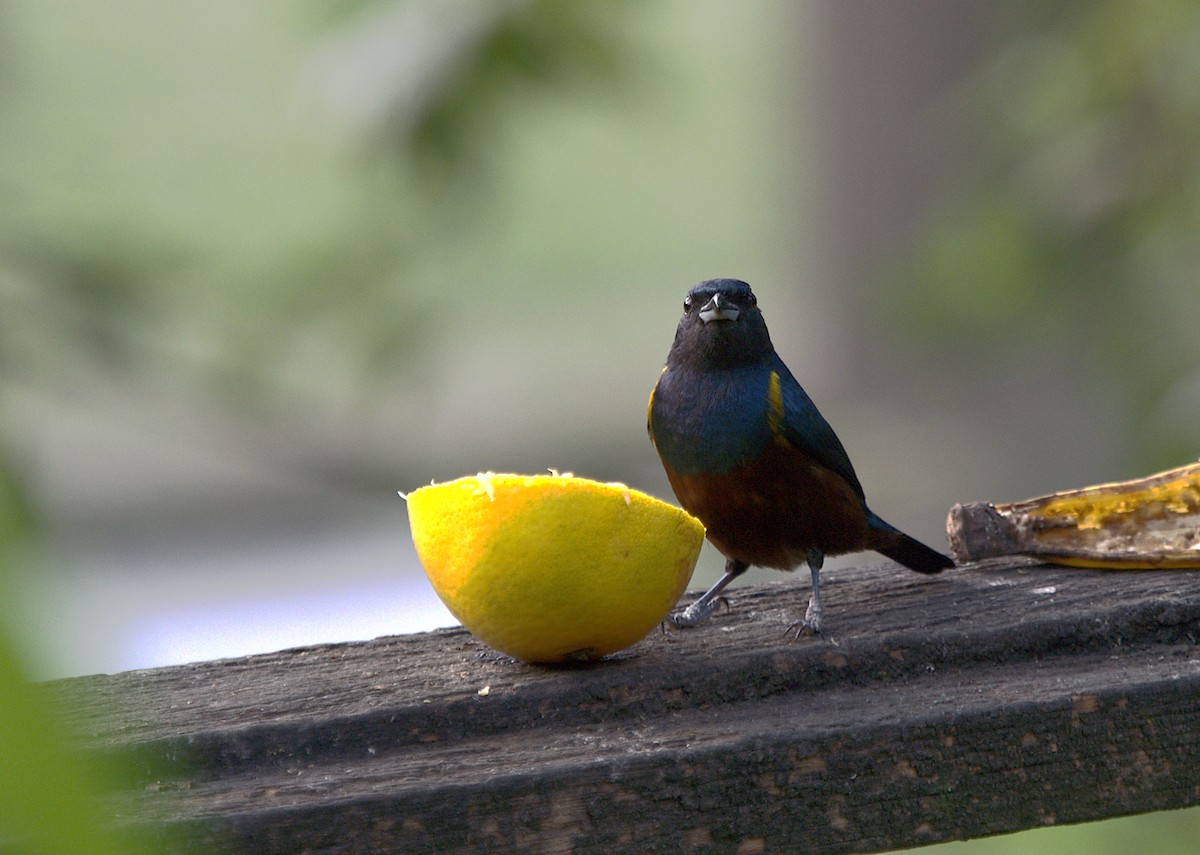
(553, 568)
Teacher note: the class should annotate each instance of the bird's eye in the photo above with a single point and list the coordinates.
(687, 302)
(753, 301)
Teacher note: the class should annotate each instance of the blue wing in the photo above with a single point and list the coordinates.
(804, 427)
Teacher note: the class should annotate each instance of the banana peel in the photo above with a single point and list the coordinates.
(1147, 523)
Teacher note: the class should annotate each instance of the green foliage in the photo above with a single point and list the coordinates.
(1073, 213)
(48, 792)
(542, 45)
(196, 233)
(1163, 833)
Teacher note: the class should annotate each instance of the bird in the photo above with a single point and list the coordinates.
(747, 452)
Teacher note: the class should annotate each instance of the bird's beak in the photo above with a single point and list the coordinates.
(717, 309)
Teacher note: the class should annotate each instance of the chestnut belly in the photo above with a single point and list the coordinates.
(769, 511)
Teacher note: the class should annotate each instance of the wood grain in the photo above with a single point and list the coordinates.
(988, 699)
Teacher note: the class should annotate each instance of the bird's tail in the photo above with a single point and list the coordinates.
(908, 551)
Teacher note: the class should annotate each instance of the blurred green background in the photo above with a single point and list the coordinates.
(263, 264)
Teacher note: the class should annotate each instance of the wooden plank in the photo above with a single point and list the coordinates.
(984, 700)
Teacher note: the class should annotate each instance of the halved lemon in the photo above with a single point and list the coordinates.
(553, 568)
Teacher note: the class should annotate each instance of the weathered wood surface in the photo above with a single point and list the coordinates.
(984, 700)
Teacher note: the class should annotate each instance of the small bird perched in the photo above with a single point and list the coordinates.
(747, 452)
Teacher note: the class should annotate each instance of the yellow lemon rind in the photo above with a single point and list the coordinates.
(551, 568)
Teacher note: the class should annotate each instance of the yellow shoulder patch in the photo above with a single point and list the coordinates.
(775, 406)
(650, 404)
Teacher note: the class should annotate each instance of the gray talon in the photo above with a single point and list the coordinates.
(694, 615)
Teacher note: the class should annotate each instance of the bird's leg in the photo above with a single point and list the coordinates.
(814, 616)
(701, 610)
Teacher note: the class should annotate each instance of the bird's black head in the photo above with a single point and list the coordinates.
(721, 328)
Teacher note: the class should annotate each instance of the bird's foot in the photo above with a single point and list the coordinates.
(695, 614)
(801, 628)
(813, 623)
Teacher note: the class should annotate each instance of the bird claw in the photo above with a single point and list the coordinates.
(695, 614)
(813, 624)
(801, 628)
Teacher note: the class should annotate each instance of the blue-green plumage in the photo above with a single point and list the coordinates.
(702, 425)
(747, 451)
